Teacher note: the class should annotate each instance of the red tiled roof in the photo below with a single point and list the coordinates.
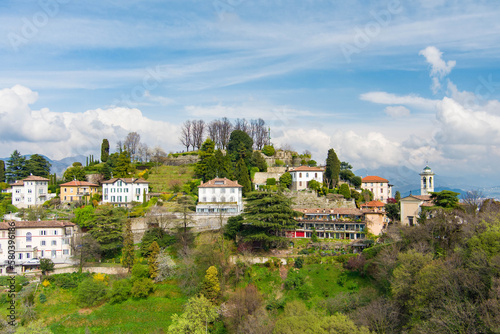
(37, 224)
(307, 169)
(374, 179)
(20, 183)
(76, 183)
(126, 180)
(220, 183)
(373, 204)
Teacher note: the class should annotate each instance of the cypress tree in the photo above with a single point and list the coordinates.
(2, 171)
(242, 176)
(104, 150)
(332, 168)
(128, 253)
(154, 250)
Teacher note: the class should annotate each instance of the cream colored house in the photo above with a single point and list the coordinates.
(411, 206)
(379, 186)
(301, 176)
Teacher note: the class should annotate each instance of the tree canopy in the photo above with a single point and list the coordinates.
(445, 198)
(332, 170)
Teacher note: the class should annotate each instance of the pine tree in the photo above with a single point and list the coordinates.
(128, 253)
(154, 250)
(332, 168)
(16, 167)
(38, 165)
(205, 168)
(106, 171)
(104, 150)
(267, 216)
(242, 176)
(210, 287)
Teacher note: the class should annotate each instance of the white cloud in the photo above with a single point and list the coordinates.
(60, 135)
(397, 111)
(439, 68)
(392, 99)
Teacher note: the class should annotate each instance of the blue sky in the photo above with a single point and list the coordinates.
(385, 83)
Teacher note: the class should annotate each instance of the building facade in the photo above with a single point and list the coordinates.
(35, 240)
(426, 181)
(220, 196)
(33, 190)
(124, 191)
(379, 186)
(76, 191)
(301, 176)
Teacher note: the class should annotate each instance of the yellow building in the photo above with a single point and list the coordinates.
(75, 191)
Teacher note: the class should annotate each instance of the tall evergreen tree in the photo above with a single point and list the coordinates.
(106, 171)
(38, 165)
(332, 168)
(128, 253)
(205, 168)
(106, 228)
(154, 251)
(240, 145)
(242, 176)
(2, 171)
(104, 150)
(267, 216)
(16, 167)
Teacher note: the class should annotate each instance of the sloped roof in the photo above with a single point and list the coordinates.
(20, 183)
(220, 183)
(38, 224)
(76, 183)
(126, 180)
(306, 169)
(374, 179)
(373, 204)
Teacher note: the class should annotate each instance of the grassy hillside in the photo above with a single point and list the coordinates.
(164, 178)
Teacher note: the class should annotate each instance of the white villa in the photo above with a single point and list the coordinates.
(220, 195)
(124, 191)
(30, 191)
(301, 176)
(35, 240)
(379, 186)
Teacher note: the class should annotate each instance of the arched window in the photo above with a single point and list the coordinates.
(430, 181)
(28, 237)
(425, 182)
(223, 199)
(214, 199)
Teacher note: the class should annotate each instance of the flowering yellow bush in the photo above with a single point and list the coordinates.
(101, 277)
(45, 283)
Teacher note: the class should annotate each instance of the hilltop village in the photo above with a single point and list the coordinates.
(232, 219)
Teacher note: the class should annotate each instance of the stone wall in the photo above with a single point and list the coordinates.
(181, 160)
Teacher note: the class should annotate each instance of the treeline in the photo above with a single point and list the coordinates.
(195, 132)
(19, 167)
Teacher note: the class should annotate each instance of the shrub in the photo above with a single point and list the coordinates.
(42, 298)
(120, 292)
(268, 150)
(279, 162)
(142, 288)
(140, 271)
(90, 292)
(299, 262)
(294, 280)
(271, 181)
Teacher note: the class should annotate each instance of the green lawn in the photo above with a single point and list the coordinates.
(132, 316)
(164, 177)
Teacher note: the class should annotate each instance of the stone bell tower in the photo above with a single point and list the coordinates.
(426, 181)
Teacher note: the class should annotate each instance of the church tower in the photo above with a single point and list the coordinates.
(426, 181)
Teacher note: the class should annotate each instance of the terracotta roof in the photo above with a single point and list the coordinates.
(126, 180)
(373, 211)
(29, 178)
(306, 169)
(373, 204)
(76, 183)
(340, 211)
(374, 179)
(37, 224)
(423, 197)
(220, 183)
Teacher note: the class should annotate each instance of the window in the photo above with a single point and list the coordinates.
(105, 190)
(232, 190)
(55, 232)
(54, 243)
(42, 243)
(40, 191)
(43, 232)
(20, 256)
(382, 191)
(29, 191)
(307, 174)
(223, 191)
(70, 190)
(65, 251)
(300, 174)
(223, 199)
(315, 175)
(300, 183)
(28, 255)
(54, 253)
(65, 241)
(28, 237)
(214, 199)
(125, 190)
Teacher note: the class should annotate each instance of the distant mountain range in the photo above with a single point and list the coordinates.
(58, 166)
